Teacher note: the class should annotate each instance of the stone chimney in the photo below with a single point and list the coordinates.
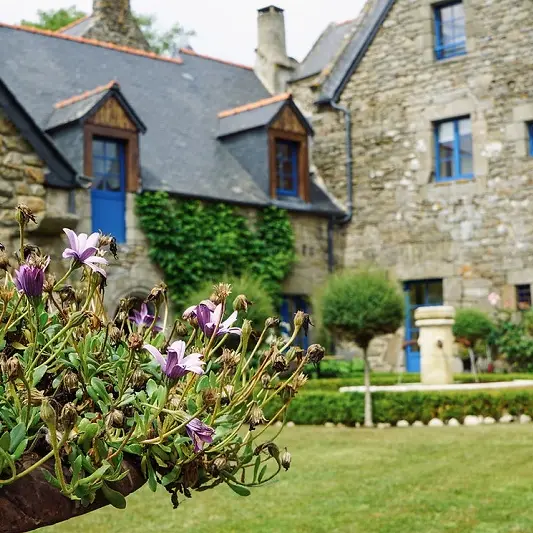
(113, 22)
(272, 65)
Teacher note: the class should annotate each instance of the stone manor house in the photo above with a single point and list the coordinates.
(403, 139)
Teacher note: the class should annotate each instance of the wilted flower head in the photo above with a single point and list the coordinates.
(200, 434)
(279, 363)
(241, 303)
(135, 341)
(13, 369)
(157, 293)
(69, 416)
(144, 318)
(286, 459)
(176, 364)
(229, 360)
(494, 299)
(221, 291)
(315, 353)
(83, 250)
(272, 322)
(4, 260)
(25, 215)
(29, 279)
(255, 416)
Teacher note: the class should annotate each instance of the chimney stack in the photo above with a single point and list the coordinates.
(113, 22)
(272, 65)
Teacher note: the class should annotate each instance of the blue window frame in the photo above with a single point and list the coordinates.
(450, 35)
(530, 131)
(453, 150)
(289, 306)
(108, 196)
(523, 297)
(287, 167)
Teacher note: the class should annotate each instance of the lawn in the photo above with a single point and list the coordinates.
(415, 480)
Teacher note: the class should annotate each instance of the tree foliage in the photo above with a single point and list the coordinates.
(193, 241)
(472, 325)
(161, 42)
(361, 305)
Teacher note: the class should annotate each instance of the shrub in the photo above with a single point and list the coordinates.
(348, 408)
(261, 308)
(515, 344)
(336, 368)
(472, 325)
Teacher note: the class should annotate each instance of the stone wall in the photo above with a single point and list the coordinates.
(476, 235)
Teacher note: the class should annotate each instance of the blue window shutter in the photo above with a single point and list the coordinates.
(108, 195)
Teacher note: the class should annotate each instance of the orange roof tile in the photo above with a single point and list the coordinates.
(93, 42)
(193, 53)
(86, 94)
(73, 23)
(254, 105)
(345, 22)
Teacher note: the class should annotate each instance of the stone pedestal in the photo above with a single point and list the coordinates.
(436, 343)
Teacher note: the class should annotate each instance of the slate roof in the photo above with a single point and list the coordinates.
(324, 50)
(248, 120)
(79, 27)
(178, 99)
(353, 53)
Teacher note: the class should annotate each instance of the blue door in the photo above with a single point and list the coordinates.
(289, 306)
(422, 293)
(108, 196)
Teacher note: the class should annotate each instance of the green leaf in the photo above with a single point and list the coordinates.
(256, 467)
(191, 406)
(247, 455)
(76, 469)
(161, 396)
(151, 387)
(171, 476)
(51, 479)
(152, 479)
(18, 346)
(113, 497)
(239, 489)
(17, 435)
(38, 374)
(99, 387)
(213, 380)
(19, 450)
(203, 383)
(262, 473)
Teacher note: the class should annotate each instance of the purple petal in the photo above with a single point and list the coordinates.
(88, 252)
(156, 354)
(82, 242)
(92, 240)
(217, 314)
(72, 239)
(94, 268)
(178, 347)
(189, 312)
(70, 253)
(96, 259)
(229, 321)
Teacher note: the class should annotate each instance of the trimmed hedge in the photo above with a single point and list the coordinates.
(312, 408)
(333, 384)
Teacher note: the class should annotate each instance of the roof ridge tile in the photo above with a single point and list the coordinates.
(204, 56)
(86, 94)
(93, 42)
(254, 105)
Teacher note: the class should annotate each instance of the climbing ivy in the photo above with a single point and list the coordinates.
(194, 241)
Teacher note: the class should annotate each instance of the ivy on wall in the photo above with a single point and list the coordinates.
(194, 241)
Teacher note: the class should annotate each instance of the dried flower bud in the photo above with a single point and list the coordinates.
(299, 319)
(222, 291)
(279, 363)
(307, 322)
(36, 397)
(190, 474)
(227, 394)
(209, 397)
(181, 329)
(241, 303)
(126, 305)
(219, 465)
(24, 215)
(69, 416)
(299, 381)
(286, 460)
(135, 341)
(229, 359)
(70, 381)
(4, 261)
(265, 380)
(31, 252)
(255, 416)
(67, 294)
(158, 293)
(94, 322)
(105, 240)
(116, 418)
(14, 369)
(6, 294)
(49, 283)
(272, 322)
(78, 318)
(48, 414)
(115, 334)
(138, 378)
(315, 353)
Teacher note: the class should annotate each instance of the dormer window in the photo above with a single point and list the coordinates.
(287, 154)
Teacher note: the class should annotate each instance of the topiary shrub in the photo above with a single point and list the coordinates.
(359, 306)
(472, 325)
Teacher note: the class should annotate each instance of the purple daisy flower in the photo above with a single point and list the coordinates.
(199, 433)
(209, 316)
(83, 250)
(144, 318)
(176, 365)
(30, 280)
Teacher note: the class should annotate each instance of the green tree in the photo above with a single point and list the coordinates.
(360, 305)
(161, 42)
(54, 19)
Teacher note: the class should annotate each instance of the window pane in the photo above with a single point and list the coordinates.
(98, 148)
(111, 150)
(99, 166)
(465, 146)
(113, 183)
(434, 295)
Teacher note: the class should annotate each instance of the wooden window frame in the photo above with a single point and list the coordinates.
(131, 142)
(303, 161)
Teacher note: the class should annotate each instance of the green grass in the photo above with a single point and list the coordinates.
(427, 480)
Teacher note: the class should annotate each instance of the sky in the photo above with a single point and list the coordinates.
(225, 28)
